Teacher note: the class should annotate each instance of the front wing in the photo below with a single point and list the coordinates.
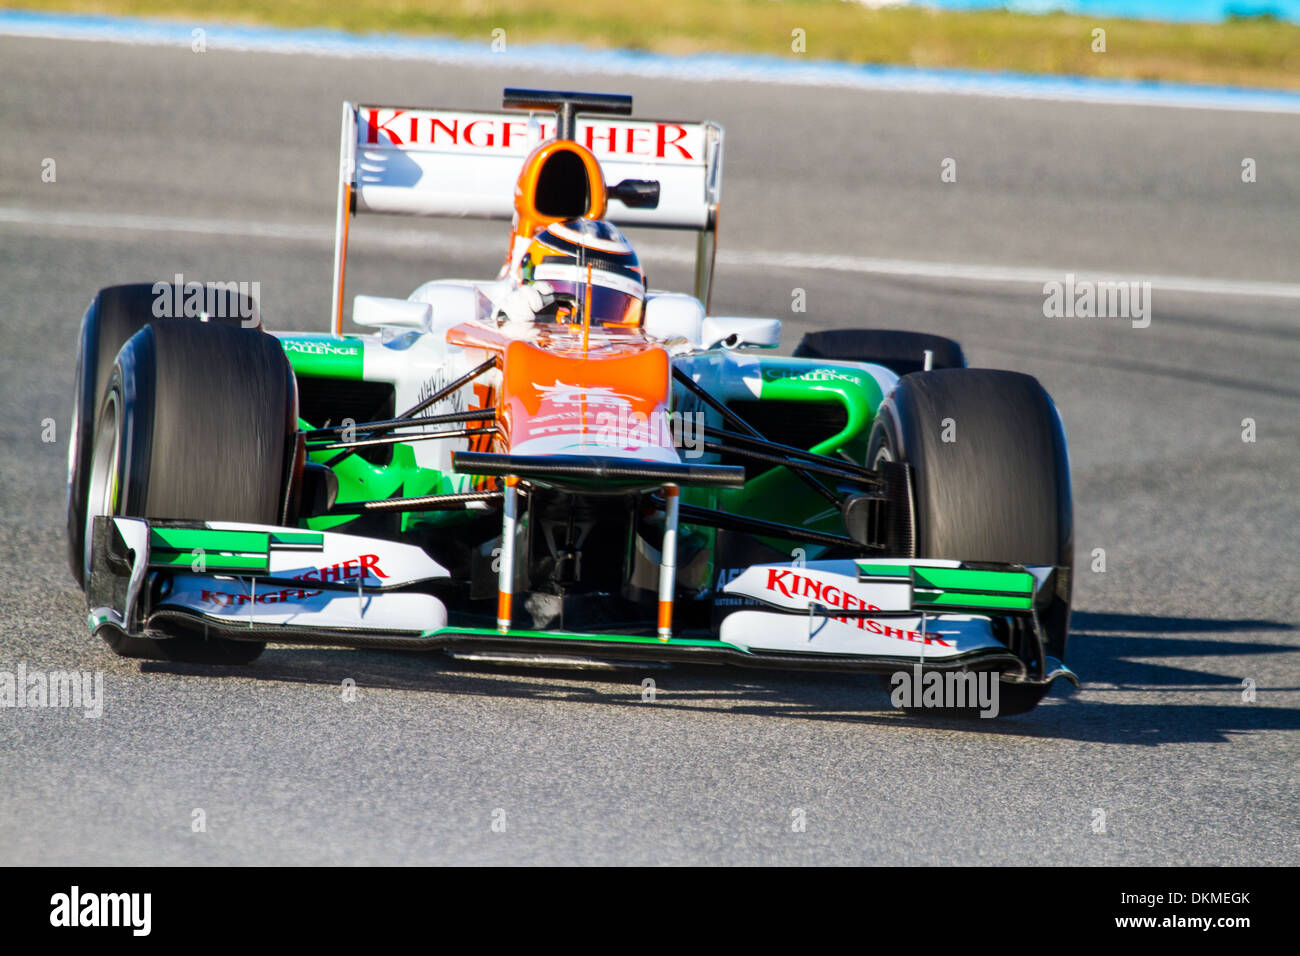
(162, 579)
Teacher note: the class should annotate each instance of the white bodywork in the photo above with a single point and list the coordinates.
(819, 586)
(342, 559)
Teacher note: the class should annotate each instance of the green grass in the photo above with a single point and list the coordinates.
(1252, 52)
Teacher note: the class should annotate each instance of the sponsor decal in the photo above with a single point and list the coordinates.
(724, 577)
(316, 347)
(777, 373)
(236, 599)
(490, 133)
(601, 415)
(359, 568)
(789, 583)
(598, 396)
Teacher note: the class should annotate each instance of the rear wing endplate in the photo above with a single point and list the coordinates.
(459, 164)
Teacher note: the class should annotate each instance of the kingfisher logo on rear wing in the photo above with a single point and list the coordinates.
(466, 164)
(428, 162)
(655, 141)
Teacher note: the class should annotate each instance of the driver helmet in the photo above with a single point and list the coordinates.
(567, 255)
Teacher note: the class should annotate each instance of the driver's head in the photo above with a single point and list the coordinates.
(566, 254)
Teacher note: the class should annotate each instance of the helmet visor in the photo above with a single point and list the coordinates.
(613, 299)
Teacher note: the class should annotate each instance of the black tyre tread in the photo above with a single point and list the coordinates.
(211, 439)
(115, 314)
(217, 455)
(900, 351)
(1000, 491)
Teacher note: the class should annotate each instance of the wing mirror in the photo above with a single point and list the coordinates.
(636, 193)
(731, 332)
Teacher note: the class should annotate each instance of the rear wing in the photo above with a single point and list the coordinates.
(459, 164)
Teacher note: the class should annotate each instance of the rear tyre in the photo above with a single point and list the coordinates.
(197, 423)
(991, 481)
(900, 352)
(116, 314)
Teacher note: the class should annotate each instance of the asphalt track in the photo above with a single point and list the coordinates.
(232, 156)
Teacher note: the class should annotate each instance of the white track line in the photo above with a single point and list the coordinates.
(429, 240)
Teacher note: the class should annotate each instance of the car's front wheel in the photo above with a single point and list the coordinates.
(197, 423)
(990, 481)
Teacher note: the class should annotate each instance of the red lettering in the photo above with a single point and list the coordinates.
(449, 130)
(374, 127)
(330, 574)
(469, 133)
(810, 585)
(632, 145)
(508, 129)
(849, 603)
(826, 595)
(775, 581)
(665, 142)
(370, 563)
(350, 568)
(610, 136)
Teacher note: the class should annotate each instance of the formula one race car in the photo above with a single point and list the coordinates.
(559, 466)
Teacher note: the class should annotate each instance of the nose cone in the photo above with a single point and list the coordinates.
(601, 404)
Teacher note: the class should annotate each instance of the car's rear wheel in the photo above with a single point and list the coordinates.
(115, 314)
(197, 423)
(901, 352)
(990, 481)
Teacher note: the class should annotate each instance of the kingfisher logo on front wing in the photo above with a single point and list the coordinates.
(361, 569)
(789, 583)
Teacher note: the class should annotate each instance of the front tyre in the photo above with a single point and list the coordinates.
(991, 482)
(115, 314)
(197, 423)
